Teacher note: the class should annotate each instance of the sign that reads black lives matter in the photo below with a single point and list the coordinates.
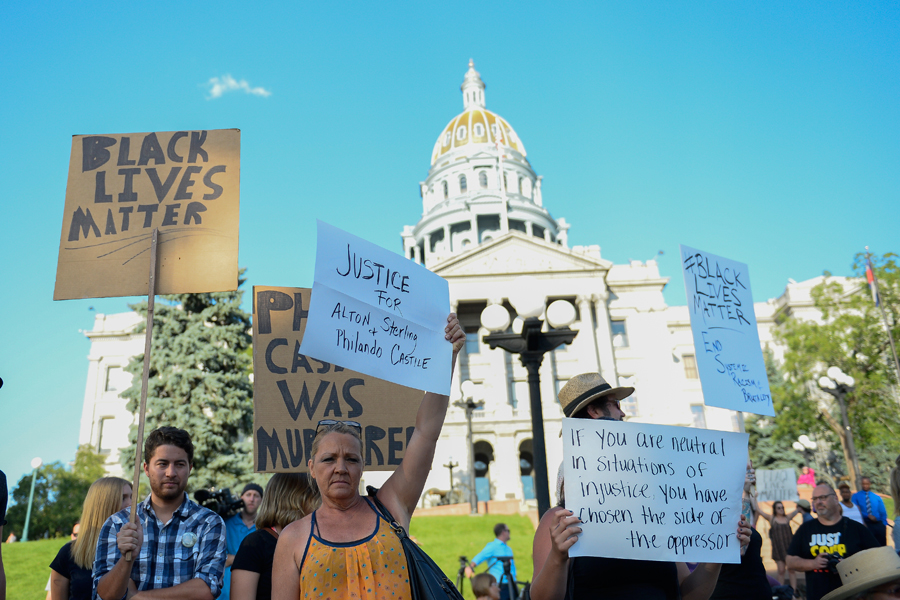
(121, 187)
(292, 392)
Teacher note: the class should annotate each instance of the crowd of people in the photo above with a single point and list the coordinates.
(315, 536)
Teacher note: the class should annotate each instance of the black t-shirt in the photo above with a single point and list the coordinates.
(844, 538)
(747, 580)
(620, 579)
(257, 552)
(80, 582)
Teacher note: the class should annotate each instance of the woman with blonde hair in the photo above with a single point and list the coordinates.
(288, 497)
(70, 575)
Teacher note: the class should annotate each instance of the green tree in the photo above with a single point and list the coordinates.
(199, 381)
(853, 338)
(58, 496)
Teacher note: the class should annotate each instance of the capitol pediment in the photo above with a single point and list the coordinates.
(517, 253)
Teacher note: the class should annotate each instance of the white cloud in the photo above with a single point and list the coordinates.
(220, 85)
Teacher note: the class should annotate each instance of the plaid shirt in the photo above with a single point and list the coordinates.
(165, 561)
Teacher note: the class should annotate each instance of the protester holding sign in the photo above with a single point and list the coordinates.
(556, 576)
(332, 549)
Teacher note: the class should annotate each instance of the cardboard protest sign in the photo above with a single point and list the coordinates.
(654, 492)
(776, 484)
(293, 392)
(123, 186)
(729, 357)
(378, 313)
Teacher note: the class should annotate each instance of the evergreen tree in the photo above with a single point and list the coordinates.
(58, 496)
(851, 337)
(199, 381)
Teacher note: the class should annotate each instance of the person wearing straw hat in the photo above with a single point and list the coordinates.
(869, 575)
(556, 577)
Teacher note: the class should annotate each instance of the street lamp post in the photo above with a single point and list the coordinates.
(839, 384)
(808, 448)
(36, 463)
(531, 345)
(451, 465)
(470, 405)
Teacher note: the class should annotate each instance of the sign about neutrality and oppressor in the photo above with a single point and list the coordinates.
(776, 484)
(654, 492)
(726, 341)
(378, 313)
(292, 392)
(121, 187)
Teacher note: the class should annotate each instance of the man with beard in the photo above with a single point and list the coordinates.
(237, 527)
(174, 544)
(830, 536)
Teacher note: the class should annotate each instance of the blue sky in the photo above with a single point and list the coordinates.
(766, 132)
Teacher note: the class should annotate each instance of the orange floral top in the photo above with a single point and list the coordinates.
(373, 568)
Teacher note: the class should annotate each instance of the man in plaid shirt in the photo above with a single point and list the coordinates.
(175, 544)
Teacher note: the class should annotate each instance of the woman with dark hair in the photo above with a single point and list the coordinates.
(557, 577)
(346, 548)
(70, 571)
(288, 497)
(780, 533)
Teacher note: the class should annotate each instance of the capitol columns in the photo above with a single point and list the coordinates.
(587, 338)
(603, 339)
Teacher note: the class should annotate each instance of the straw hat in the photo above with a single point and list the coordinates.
(864, 570)
(583, 389)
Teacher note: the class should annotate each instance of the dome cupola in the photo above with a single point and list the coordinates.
(480, 185)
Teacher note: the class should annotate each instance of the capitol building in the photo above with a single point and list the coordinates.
(485, 223)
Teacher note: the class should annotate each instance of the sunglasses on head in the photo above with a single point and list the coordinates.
(330, 422)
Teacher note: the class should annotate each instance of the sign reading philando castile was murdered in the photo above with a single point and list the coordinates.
(121, 187)
(654, 492)
(776, 484)
(726, 340)
(292, 392)
(379, 313)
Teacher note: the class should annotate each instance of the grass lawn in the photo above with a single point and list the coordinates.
(445, 539)
(27, 566)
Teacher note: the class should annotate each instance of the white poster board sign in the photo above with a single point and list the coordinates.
(726, 341)
(654, 492)
(776, 484)
(378, 313)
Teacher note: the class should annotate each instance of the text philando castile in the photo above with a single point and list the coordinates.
(664, 502)
(126, 208)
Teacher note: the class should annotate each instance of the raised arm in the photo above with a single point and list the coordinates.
(402, 490)
(556, 533)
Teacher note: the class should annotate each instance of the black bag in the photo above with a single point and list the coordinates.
(426, 580)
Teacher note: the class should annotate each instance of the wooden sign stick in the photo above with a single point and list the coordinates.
(148, 338)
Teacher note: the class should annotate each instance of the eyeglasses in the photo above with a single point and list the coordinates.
(330, 422)
(890, 589)
(825, 497)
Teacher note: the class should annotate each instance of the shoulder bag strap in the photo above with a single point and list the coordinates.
(398, 529)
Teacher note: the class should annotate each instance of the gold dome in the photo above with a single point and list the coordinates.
(471, 130)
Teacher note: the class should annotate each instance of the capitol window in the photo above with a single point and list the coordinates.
(463, 184)
(520, 186)
(478, 129)
(447, 138)
(446, 190)
(482, 179)
(461, 132)
(619, 333)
